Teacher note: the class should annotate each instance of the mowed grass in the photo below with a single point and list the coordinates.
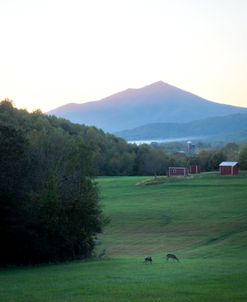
(187, 214)
(203, 220)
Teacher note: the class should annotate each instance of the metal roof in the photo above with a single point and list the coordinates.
(177, 168)
(228, 163)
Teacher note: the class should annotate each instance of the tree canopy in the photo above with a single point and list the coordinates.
(49, 202)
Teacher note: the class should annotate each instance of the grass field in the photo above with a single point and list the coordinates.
(203, 220)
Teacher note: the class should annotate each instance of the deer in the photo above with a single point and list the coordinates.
(148, 260)
(172, 256)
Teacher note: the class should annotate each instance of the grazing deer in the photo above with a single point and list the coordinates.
(171, 256)
(148, 260)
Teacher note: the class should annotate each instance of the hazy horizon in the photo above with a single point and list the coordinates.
(57, 52)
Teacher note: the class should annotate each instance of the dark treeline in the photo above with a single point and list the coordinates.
(49, 201)
(108, 155)
(111, 155)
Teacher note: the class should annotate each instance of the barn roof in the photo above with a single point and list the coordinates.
(177, 168)
(228, 163)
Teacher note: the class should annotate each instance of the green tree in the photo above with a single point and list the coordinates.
(203, 159)
(231, 151)
(215, 159)
(64, 193)
(150, 161)
(49, 202)
(13, 192)
(243, 158)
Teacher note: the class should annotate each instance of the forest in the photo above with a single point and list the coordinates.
(49, 199)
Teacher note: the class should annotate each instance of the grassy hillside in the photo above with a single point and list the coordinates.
(202, 220)
(186, 215)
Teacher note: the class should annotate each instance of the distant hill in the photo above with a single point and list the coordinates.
(155, 103)
(231, 126)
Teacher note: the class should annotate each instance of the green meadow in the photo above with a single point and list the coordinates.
(202, 219)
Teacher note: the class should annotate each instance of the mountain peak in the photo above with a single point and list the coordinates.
(161, 87)
(158, 84)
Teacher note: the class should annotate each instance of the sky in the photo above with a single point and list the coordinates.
(54, 52)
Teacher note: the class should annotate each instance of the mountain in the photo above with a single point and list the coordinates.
(155, 103)
(232, 127)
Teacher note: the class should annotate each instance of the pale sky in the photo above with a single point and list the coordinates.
(54, 52)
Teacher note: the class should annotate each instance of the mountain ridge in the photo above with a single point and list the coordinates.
(133, 107)
(220, 127)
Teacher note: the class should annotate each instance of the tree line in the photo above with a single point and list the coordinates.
(49, 199)
(49, 202)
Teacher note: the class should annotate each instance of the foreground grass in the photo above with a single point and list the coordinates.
(128, 279)
(202, 220)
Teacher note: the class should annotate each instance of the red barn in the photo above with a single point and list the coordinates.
(229, 168)
(177, 171)
(194, 169)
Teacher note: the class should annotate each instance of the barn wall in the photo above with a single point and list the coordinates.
(194, 169)
(227, 170)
